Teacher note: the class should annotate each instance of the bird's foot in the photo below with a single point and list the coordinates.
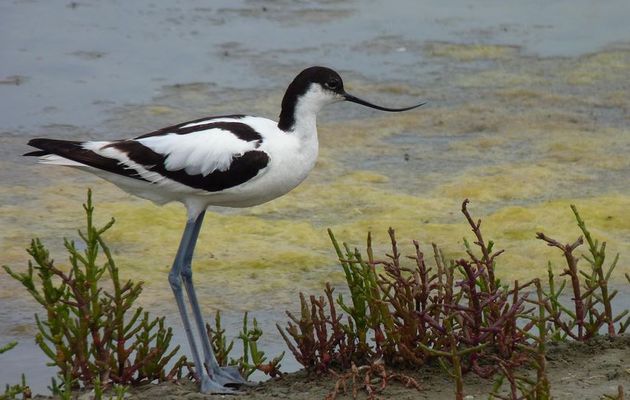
(224, 380)
(210, 386)
(230, 377)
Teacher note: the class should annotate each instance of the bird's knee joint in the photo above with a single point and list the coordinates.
(187, 273)
(175, 281)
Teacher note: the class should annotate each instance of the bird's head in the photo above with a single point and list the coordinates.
(316, 87)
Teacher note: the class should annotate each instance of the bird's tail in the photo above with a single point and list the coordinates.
(55, 151)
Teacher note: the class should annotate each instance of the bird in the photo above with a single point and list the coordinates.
(227, 161)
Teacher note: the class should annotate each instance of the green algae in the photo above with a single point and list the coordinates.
(522, 140)
(259, 254)
(470, 52)
(605, 66)
(497, 77)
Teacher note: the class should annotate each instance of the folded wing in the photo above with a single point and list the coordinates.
(212, 155)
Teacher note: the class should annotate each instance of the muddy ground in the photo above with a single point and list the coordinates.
(576, 371)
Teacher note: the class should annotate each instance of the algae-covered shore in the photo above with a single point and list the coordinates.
(522, 128)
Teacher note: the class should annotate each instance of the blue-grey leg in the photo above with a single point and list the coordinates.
(222, 375)
(189, 237)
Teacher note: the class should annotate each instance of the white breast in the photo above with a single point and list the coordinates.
(292, 157)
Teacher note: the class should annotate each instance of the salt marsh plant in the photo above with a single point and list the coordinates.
(13, 391)
(91, 329)
(592, 298)
(252, 358)
(521, 386)
(457, 314)
(96, 336)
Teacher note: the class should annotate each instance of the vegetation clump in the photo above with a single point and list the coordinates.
(92, 331)
(97, 338)
(457, 314)
(252, 359)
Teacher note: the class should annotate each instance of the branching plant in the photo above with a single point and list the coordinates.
(92, 330)
(321, 340)
(252, 359)
(522, 387)
(592, 299)
(371, 379)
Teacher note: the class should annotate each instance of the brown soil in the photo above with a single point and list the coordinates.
(576, 371)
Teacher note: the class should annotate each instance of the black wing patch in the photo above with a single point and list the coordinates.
(243, 168)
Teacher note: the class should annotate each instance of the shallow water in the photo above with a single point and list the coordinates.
(528, 113)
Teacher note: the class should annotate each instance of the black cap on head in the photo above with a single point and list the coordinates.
(326, 77)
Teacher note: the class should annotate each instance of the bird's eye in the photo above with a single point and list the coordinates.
(332, 84)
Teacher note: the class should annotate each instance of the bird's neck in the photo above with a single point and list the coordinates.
(286, 122)
(299, 110)
(304, 123)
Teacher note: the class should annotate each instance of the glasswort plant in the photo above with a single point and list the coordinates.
(92, 330)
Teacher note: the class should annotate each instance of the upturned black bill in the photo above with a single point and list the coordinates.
(349, 97)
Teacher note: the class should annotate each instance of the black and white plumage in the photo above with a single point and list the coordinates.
(229, 161)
